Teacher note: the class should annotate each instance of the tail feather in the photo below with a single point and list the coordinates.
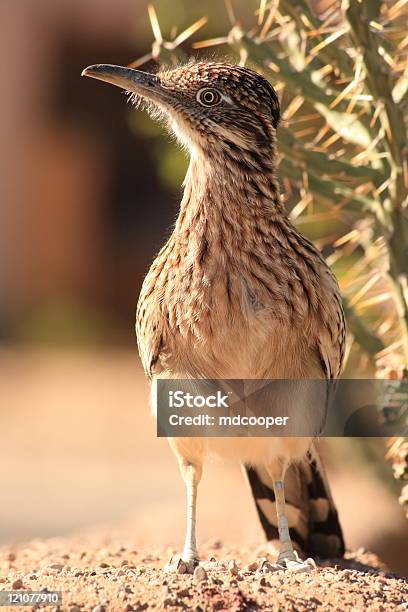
(312, 516)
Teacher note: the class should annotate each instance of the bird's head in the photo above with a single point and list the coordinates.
(210, 106)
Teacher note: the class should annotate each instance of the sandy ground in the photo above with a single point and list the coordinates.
(99, 576)
(79, 455)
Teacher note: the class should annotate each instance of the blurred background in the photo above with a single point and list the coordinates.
(88, 192)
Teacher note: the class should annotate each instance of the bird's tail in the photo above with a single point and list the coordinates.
(312, 516)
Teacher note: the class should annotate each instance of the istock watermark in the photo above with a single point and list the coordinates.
(294, 408)
(180, 399)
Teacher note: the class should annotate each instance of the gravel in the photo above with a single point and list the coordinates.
(100, 575)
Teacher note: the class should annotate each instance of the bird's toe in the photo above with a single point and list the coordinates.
(178, 565)
(295, 564)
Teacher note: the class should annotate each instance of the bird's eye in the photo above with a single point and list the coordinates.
(208, 97)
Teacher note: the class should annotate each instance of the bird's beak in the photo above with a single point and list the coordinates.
(142, 83)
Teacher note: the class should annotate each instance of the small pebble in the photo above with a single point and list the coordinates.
(182, 568)
(169, 601)
(268, 568)
(252, 567)
(17, 584)
(98, 608)
(199, 574)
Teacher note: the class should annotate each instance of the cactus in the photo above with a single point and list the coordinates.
(342, 77)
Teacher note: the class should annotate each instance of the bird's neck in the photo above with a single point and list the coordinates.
(221, 189)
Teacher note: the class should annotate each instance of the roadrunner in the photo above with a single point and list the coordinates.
(238, 293)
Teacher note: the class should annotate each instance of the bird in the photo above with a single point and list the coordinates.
(237, 292)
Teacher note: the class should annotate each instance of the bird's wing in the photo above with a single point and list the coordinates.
(150, 330)
(331, 340)
(150, 341)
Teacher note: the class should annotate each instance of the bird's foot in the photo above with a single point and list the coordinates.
(293, 563)
(180, 565)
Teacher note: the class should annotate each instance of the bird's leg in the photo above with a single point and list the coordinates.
(190, 553)
(191, 474)
(288, 557)
(286, 550)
